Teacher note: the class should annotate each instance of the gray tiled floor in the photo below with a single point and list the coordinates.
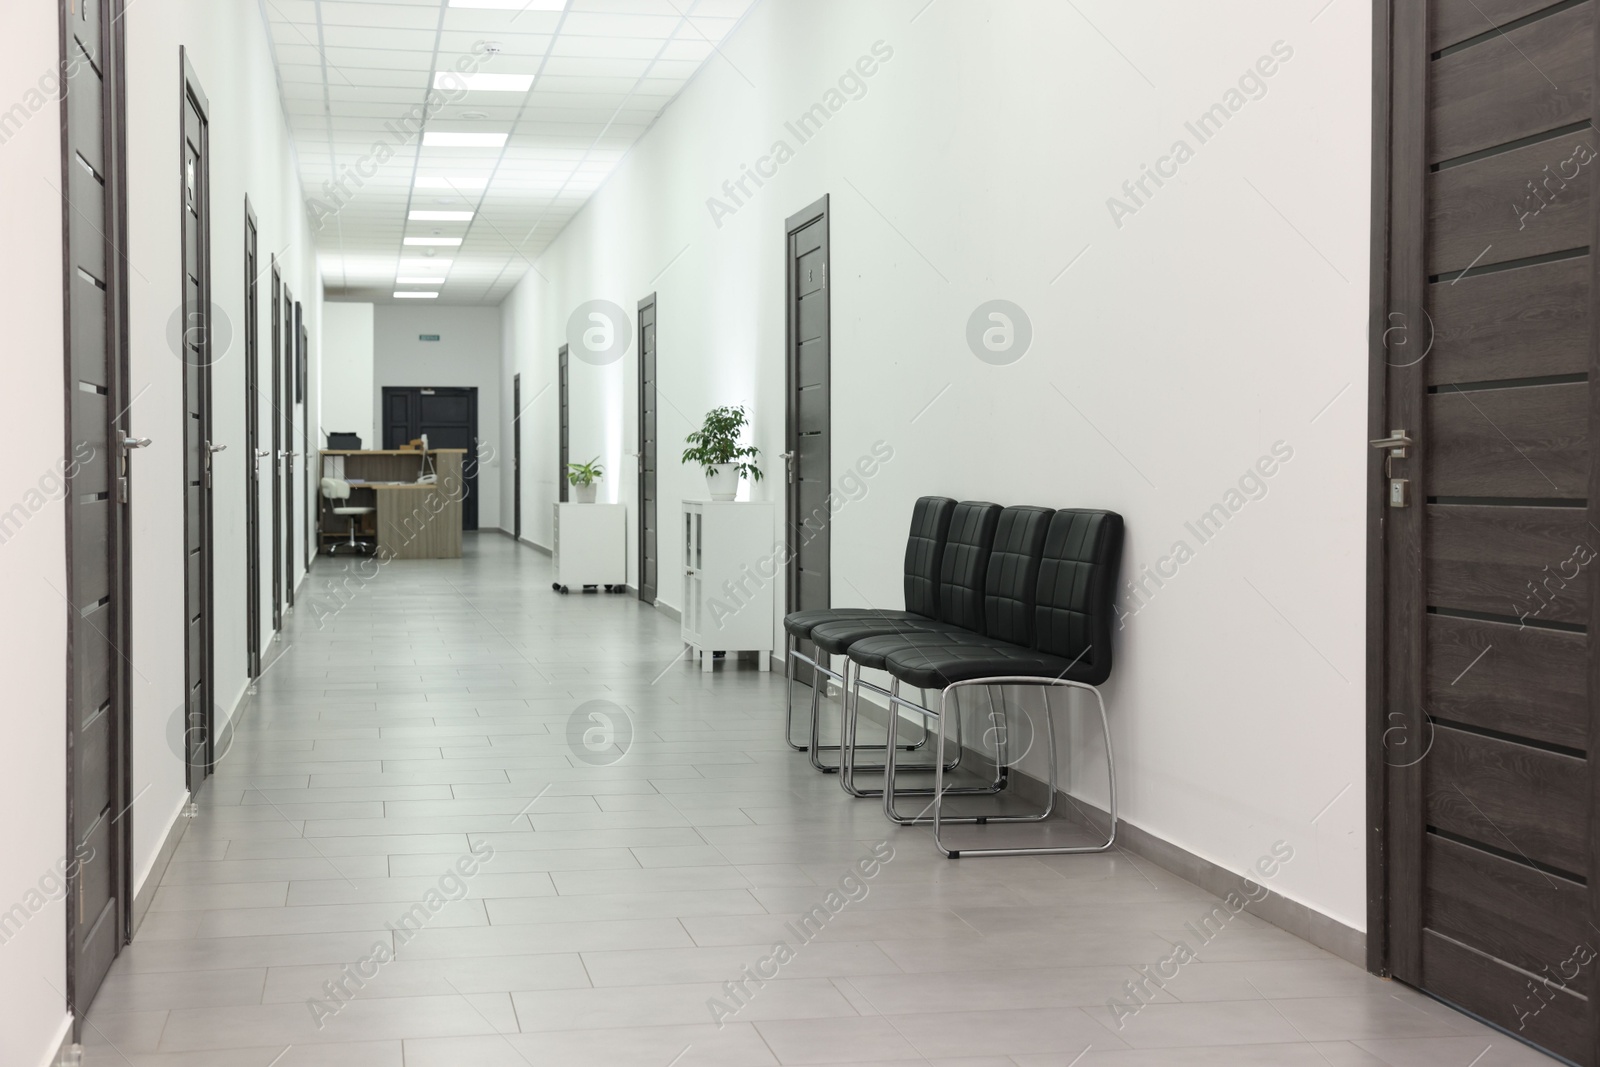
(434, 714)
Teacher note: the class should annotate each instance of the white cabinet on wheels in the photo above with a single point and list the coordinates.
(728, 551)
(591, 547)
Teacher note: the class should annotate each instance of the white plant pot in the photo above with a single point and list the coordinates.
(584, 494)
(723, 481)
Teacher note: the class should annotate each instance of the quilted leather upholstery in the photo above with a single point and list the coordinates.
(966, 561)
(873, 652)
(1010, 582)
(930, 520)
(930, 526)
(934, 666)
(836, 637)
(1077, 588)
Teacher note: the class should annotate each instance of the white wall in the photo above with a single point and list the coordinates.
(1173, 346)
(250, 155)
(347, 377)
(33, 627)
(466, 354)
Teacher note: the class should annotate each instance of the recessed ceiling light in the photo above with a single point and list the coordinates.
(416, 296)
(511, 5)
(440, 216)
(483, 83)
(456, 139)
(408, 279)
(442, 242)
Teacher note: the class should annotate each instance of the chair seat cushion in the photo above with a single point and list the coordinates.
(801, 623)
(836, 637)
(934, 665)
(873, 652)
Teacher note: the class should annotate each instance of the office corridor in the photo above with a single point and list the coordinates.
(426, 741)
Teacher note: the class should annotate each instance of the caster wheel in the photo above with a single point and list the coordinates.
(564, 590)
(556, 586)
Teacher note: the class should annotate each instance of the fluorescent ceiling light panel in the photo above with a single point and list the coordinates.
(416, 296)
(483, 82)
(441, 242)
(511, 5)
(460, 139)
(440, 216)
(458, 181)
(428, 266)
(407, 279)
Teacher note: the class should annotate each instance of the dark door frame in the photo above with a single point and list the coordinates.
(119, 477)
(649, 535)
(564, 428)
(516, 456)
(252, 444)
(290, 453)
(815, 212)
(278, 458)
(192, 94)
(303, 396)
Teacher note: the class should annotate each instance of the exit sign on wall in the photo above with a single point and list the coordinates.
(427, 337)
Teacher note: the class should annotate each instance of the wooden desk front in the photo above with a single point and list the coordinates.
(412, 520)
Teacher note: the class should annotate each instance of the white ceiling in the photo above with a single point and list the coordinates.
(352, 70)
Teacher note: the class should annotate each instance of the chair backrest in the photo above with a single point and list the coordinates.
(930, 526)
(1011, 582)
(336, 489)
(1073, 608)
(966, 560)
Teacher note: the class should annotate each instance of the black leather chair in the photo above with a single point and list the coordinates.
(930, 525)
(1068, 626)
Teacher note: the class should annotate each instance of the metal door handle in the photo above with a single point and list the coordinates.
(1397, 442)
(263, 453)
(788, 464)
(216, 448)
(136, 442)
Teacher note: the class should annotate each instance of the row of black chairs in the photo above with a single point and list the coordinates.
(994, 597)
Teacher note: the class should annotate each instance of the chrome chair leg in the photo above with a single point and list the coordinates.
(939, 820)
(791, 650)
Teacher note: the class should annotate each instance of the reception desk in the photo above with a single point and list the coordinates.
(410, 520)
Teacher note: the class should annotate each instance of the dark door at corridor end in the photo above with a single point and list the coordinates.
(1483, 531)
(809, 417)
(449, 416)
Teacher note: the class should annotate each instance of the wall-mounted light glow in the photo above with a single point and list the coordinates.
(459, 139)
(483, 83)
(440, 216)
(453, 182)
(511, 5)
(408, 279)
(441, 242)
(416, 296)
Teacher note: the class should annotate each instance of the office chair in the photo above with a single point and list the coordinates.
(339, 489)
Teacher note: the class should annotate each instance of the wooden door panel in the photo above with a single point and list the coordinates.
(1453, 21)
(1519, 800)
(1525, 81)
(1521, 680)
(1529, 918)
(1519, 323)
(1510, 442)
(1492, 211)
(1550, 1017)
(1510, 562)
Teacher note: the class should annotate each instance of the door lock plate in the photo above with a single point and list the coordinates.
(1399, 492)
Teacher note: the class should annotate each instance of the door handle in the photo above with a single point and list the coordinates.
(216, 448)
(1397, 442)
(135, 442)
(788, 464)
(263, 453)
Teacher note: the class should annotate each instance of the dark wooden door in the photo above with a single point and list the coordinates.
(291, 452)
(449, 416)
(648, 509)
(253, 451)
(99, 480)
(809, 410)
(1483, 719)
(516, 456)
(564, 444)
(305, 447)
(278, 460)
(198, 451)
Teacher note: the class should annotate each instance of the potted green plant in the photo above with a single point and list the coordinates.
(715, 447)
(583, 478)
